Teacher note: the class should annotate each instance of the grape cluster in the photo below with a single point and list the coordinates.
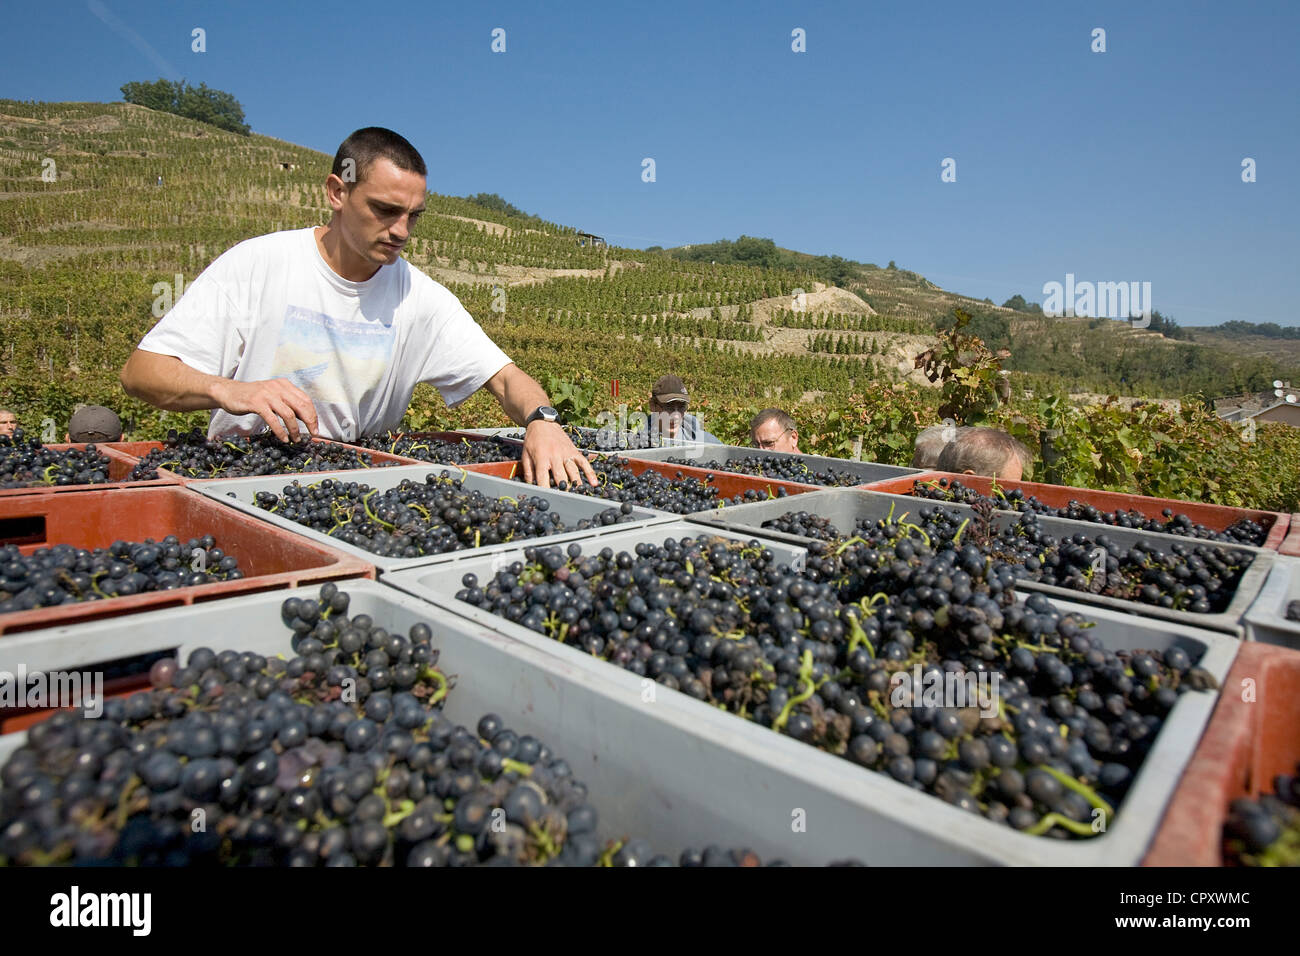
(192, 455)
(606, 439)
(66, 575)
(1200, 578)
(817, 656)
(650, 489)
(415, 519)
(781, 469)
(27, 463)
(1266, 831)
(609, 439)
(1242, 531)
(338, 756)
(804, 524)
(438, 451)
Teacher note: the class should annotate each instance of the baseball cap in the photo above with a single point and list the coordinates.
(94, 423)
(669, 388)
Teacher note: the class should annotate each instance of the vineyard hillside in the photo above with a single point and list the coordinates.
(107, 211)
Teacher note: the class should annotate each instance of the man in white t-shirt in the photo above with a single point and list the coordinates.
(330, 330)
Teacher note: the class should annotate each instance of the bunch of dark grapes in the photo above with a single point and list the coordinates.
(1266, 831)
(1200, 578)
(1242, 531)
(781, 469)
(609, 439)
(338, 756)
(804, 524)
(66, 575)
(1051, 750)
(415, 519)
(650, 489)
(193, 456)
(27, 463)
(605, 439)
(440, 452)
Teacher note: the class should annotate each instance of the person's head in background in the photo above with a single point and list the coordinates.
(930, 444)
(668, 404)
(94, 423)
(988, 452)
(8, 423)
(774, 430)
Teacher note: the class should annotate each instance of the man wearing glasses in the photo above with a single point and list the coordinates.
(668, 417)
(774, 430)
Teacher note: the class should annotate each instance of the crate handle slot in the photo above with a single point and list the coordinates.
(28, 529)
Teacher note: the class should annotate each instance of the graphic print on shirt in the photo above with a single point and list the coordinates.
(335, 361)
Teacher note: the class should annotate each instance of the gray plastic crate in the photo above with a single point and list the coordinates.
(855, 812)
(1266, 619)
(446, 578)
(675, 786)
(239, 493)
(699, 454)
(843, 507)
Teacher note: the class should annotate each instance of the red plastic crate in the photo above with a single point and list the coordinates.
(1246, 744)
(1215, 517)
(270, 557)
(119, 470)
(14, 719)
(1291, 544)
(135, 450)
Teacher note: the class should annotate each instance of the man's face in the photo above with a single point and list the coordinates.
(670, 415)
(772, 437)
(376, 215)
(8, 424)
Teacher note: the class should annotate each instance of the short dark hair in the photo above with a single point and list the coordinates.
(778, 415)
(983, 451)
(370, 143)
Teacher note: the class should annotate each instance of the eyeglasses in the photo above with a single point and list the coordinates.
(771, 443)
(677, 407)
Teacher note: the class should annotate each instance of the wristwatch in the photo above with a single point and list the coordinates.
(544, 413)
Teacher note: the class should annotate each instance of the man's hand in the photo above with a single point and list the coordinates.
(164, 381)
(548, 451)
(281, 404)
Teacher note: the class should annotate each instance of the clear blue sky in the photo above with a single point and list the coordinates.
(1115, 166)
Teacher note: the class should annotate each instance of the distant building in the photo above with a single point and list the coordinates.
(1282, 404)
(585, 238)
(1287, 413)
(1280, 411)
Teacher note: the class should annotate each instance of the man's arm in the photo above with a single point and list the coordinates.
(547, 449)
(164, 381)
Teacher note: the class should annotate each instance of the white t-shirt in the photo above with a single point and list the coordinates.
(271, 307)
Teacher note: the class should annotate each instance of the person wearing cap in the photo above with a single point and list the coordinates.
(327, 330)
(94, 423)
(668, 405)
(8, 423)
